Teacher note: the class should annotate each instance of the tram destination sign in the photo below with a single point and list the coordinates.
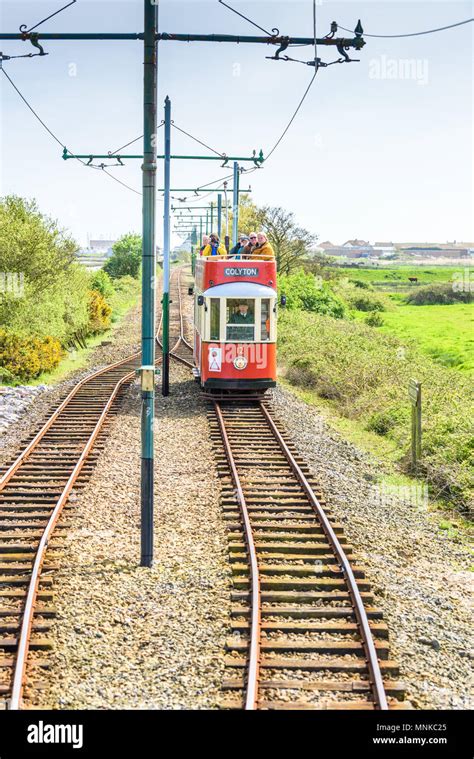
(234, 271)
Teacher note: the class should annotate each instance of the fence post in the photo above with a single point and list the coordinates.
(414, 391)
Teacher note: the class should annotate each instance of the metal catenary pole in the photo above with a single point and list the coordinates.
(148, 280)
(235, 208)
(165, 385)
(227, 245)
(219, 215)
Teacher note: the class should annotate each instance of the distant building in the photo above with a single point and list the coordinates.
(436, 252)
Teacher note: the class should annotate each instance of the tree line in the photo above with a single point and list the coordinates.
(49, 302)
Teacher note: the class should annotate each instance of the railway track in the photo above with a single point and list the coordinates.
(305, 630)
(37, 492)
(37, 488)
(182, 349)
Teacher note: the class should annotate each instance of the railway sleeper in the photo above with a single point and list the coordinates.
(393, 688)
(388, 667)
(378, 629)
(297, 570)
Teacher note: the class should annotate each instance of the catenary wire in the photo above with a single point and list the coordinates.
(48, 17)
(413, 34)
(249, 20)
(196, 140)
(293, 117)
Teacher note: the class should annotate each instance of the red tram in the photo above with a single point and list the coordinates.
(235, 307)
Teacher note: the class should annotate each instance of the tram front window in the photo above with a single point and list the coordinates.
(240, 319)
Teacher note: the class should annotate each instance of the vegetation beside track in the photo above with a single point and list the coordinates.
(50, 305)
(364, 374)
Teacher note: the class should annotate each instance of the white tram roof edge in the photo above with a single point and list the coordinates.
(240, 290)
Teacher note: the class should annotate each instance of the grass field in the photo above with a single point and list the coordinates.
(399, 275)
(446, 333)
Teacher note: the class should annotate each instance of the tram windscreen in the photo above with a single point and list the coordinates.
(240, 319)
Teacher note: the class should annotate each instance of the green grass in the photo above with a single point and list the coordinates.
(400, 274)
(362, 375)
(446, 333)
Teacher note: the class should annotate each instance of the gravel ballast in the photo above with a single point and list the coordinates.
(132, 637)
(419, 573)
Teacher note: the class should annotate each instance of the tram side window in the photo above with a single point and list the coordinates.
(265, 319)
(240, 323)
(215, 319)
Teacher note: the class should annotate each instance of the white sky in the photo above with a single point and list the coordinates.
(369, 155)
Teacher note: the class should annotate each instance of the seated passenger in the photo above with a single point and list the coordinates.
(205, 241)
(214, 248)
(263, 251)
(251, 243)
(243, 316)
(238, 249)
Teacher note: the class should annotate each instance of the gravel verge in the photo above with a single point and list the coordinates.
(132, 637)
(420, 575)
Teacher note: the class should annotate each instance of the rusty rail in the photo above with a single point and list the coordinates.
(251, 696)
(29, 610)
(376, 681)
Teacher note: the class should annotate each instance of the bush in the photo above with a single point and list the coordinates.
(25, 358)
(374, 319)
(361, 284)
(442, 294)
(101, 282)
(126, 258)
(385, 421)
(306, 292)
(366, 375)
(366, 301)
(99, 313)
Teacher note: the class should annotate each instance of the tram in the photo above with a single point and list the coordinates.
(235, 324)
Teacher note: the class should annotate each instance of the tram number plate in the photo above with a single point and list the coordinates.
(249, 271)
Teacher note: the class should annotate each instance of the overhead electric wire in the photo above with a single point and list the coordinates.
(89, 166)
(128, 143)
(47, 18)
(137, 192)
(293, 117)
(41, 120)
(196, 140)
(412, 34)
(275, 31)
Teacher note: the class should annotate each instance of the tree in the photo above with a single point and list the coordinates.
(126, 257)
(290, 241)
(52, 299)
(250, 217)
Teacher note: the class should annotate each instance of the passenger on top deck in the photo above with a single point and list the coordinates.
(247, 249)
(215, 248)
(205, 241)
(263, 251)
(238, 249)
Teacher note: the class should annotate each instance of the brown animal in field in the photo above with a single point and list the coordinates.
(413, 279)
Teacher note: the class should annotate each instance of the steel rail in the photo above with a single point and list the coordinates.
(181, 338)
(29, 610)
(375, 675)
(253, 671)
(181, 316)
(44, 429)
